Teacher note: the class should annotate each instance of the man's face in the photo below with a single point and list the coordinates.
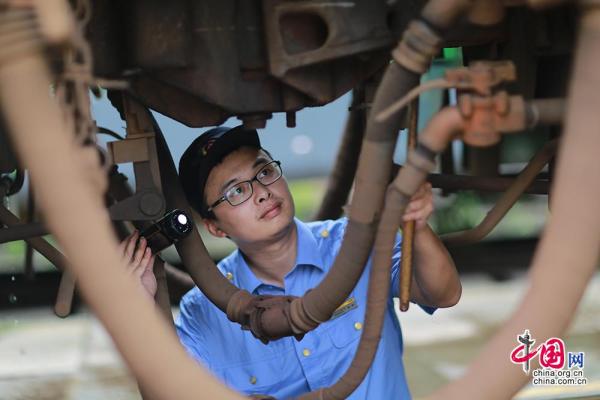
(266, 215)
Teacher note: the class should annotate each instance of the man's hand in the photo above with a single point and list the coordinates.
(139, 261)
(435, 279)
(420, 207)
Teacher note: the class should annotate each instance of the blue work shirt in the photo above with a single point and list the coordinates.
(286, 367)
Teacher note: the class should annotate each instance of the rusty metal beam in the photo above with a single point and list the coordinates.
(484, 184)
(22, 231)
(42, 246)
(343, 172)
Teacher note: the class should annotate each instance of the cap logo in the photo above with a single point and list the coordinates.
(207, 146)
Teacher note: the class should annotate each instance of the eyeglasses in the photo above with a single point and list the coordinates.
(242, 191)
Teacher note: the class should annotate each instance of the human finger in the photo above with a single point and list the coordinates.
(123, 243)
(147, 257)
(141, 267)
(423, 191)
(150, 265)
(139, 253)
(414, 205)
(421, 214)
(130, 248)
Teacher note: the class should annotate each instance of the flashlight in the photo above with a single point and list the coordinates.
(175, 225)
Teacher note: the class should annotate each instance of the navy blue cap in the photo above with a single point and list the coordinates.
(205, 152)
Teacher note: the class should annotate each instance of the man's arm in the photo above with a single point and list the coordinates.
(435, 281)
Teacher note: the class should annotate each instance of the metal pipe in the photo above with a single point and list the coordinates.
(506, 201)
(64, 297)
(569, 249)
(484, 184)
(74, 212)
(191, 249)
(39, 244)
(29, 267)
(343, 172)
(22, 232)
(545, 112)
(408, 231)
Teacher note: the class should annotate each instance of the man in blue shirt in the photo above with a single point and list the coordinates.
(239, 191)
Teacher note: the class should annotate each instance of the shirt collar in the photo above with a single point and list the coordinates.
(308, 250)
(307, 254)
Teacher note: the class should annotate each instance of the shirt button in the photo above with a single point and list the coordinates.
(324, 233)
(253, 380)
(229, 275)
(306, 352)
(357, 326)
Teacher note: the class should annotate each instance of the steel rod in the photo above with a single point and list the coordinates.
(506, 201)
(22, 232)
(346, 162)
(408, 231)
(64, 298)
(39, 244)
(484, 184)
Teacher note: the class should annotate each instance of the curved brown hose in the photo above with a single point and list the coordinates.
(486, 12)
(191, 249)
(506, 201)
(74, 212)
(569, 249)
(408, 181)
(371, 179)
(443, 14)
(438, 133)
(374, 166)
(376, 302)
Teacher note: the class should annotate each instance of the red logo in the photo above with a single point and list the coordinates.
(551, 353)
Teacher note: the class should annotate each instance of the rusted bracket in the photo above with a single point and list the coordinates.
(139, 148)
(481, 77)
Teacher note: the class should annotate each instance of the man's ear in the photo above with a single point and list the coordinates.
(212, 228)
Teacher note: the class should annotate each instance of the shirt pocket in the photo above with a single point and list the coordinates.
(346, 329)
(256, 377)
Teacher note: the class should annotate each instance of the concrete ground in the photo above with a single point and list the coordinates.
(438, 348)
(43, 357)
